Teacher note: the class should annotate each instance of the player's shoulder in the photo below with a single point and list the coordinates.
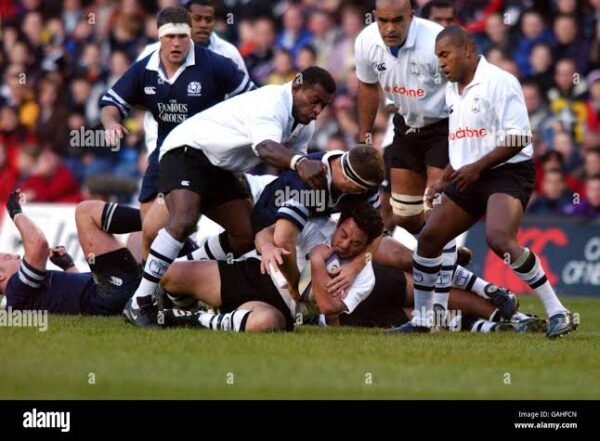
(223, 47)
(498, 79)
(369, 37)
(148, 50)
(427, 29)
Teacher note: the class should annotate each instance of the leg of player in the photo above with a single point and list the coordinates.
(203, 281)
(155, 219)
(97, 221)
(449, 256)
(184, 211)
(238, 238)
(445, 222)
(503, 218)
(387, 213)
(392, 253)
(408, 188)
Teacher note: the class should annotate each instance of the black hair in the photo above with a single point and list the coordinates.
(367, 218)
(175, 14)
(316, 75)
(426, 10)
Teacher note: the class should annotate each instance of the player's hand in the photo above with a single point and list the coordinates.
(465, 176)
(272, 255)
(313, 173)
(114, 133)
(434, 191)
(342, 282)
(60, 258)
(13, 205)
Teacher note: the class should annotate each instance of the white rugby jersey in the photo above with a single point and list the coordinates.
(491, 107)
(229, 132)
(413, 80)
(217, 45)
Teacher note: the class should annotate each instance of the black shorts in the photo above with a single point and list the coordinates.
(117, 276)
(242, 281)
(424, 147)
(517, 180)
(384, 307)
(189, 168)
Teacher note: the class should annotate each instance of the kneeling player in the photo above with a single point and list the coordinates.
(104, 291)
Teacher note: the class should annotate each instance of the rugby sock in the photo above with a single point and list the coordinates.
(518, 316)
(117, 219)
(495, 316)
(163, 251)
(479, 325)
(214, 248)
(189, 246)
(442, 286)
(425, 275)
(465, 279)
(528, 268)
(233, 321)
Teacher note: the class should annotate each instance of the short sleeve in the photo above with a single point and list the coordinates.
(365, 71)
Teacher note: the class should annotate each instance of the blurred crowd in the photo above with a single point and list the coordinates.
(58, 57)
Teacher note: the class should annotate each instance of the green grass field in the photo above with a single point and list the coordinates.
(309, 363)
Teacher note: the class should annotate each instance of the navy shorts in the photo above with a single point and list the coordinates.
(150, 183)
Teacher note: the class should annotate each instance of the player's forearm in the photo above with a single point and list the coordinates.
(275, 154)
(34, 240)
(286, 238)
(368, 104)
(264, 237)
(110, 115)
(497, 156)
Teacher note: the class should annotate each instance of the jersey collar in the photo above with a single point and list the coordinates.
(154, 64)
(327, 157)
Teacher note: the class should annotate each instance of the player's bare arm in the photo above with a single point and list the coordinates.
(271, 254)
(285, 236)
(276, 154)
(34, 240)
(368, 97)
(113, 129)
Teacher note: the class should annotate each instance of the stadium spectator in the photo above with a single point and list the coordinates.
(568, 41)
(306, 57)
(590, 205)
(533, 31)
(260, 61)
(50, 181)
(540, 61)
(555, 196)
(283, 68)
(294, 34)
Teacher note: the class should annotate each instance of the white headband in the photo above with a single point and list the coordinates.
(174, 29)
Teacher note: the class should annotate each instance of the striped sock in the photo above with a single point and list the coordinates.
(233, 321)
(465, 279)
(425, 275)
(117, 219)
(442, 286)
(484, 326)
(163, 251)
(214, 248)
(528, 269)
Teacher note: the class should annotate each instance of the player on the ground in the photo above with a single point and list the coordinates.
(202, 14)
(105, 290)
(490, 173)
(249, 299)
(199, 157)
(397, 55)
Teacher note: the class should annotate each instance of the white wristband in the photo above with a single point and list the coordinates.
(296, 159)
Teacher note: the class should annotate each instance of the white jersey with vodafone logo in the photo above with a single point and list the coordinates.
(491, 107)
(413, 80)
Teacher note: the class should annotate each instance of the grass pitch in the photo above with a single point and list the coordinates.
(104, 358)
